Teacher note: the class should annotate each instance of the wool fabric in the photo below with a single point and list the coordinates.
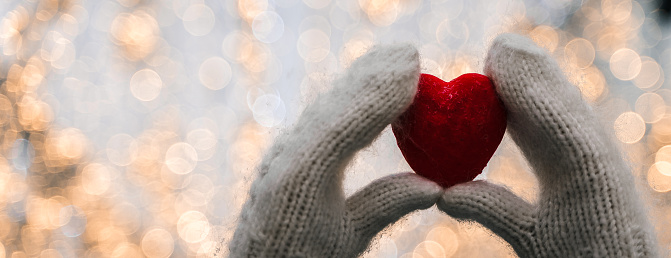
(588, 204)
(297, 207)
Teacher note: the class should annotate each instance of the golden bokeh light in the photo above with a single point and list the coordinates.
(610, 39)
(95, 179)
(663, 154)
(592, 84)
(617, 11)
(65, 147)
(580, 52)
(651, 76)
(353, 49)
(546, 37)
(248, 9)
(204, 141)
(198, 19)
(215, 73)
(429, 249)
(381, 12)
(629, 127)
(137, 33)
(157, 243)
(446, 238)
(625, 64)
(193, 227)
(181, 158)
(651, 107)
(34, 114)
(658, 176)
(146, 85)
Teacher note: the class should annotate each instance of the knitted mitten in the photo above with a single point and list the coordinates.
(297, 207)
(588, 205)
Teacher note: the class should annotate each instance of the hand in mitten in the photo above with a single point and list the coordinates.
(297, 207)
(588, 205)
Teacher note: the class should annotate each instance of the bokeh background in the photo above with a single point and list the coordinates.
(131, 128)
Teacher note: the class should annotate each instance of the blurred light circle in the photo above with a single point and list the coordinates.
(193, 227)
(121, 149)
(255, 56)
(446, 237)
(198, 19)
(146, 85)
(95, 178)
(157, 243)
(354, 48)
(181, 158)
(73, 221)
(625, 64)
(617, 11)
(269, 110)
(203, 141)
(58, 50)
(629, 127)
(650, 76)
(546, 37)
(268, 27)
(664, 167)
(136, 33)
(580, 52)
(658, 180)
(253, 94)
(63, 54)
(233, 43)
(651, 107)
(248, 9)
(381, 13)
(215, 73)
(663, 154)
(593, 84)
(313, 45)
(429, 249)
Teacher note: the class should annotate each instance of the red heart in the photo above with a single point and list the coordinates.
(451, 130)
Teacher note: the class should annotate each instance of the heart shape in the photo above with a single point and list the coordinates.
(451, 129)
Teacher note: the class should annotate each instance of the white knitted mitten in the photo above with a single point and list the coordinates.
(297, 207)
(588, 205)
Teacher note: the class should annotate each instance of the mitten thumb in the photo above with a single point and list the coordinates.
(496, 208)
(386, 200)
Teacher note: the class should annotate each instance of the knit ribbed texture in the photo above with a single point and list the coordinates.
(297, 207)
(588, 205)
